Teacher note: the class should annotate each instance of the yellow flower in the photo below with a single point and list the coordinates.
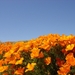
(7, 54)
(19, 61)
(30, 67)
(69, 47)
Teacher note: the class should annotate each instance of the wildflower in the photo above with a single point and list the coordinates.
(19, 71)
(3, 68)
(10, 60)
(1, 62)
(17, 55)
(63, 37)
(64, 69)
(47, 60)
(64, 51)
(5, 73)
(70, 59)
(19, 61)
(34, 53)
(41, 55)
(26, 47)
(69, 47)
(59, 62)
(30, 67)
(7, 54)
(45, 45)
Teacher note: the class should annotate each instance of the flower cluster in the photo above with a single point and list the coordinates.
(51, 54)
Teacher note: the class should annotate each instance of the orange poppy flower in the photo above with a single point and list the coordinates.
(1, 62)
(70, 59)
(64, 69)
(3, 68)
(19, 71)
(5, 73)
(41, 55)
(47, 60)
(19, 61)
(69, 47)
(34, 53)
(30, 67)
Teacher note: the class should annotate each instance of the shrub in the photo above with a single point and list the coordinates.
(46, 55)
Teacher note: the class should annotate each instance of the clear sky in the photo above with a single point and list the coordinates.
(27, 19)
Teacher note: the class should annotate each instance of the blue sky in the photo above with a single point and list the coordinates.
(27, 19)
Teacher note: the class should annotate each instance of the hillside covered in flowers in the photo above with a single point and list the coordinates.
(51, 54)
